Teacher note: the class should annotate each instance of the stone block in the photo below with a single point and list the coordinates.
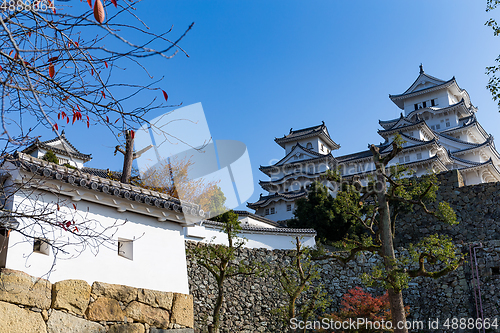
(182, 310)
(127, 328)
(71, 295)
(62, 322)
(155, 298)
(119, 292)
(14, 319)
(20, 288)
(146, 314)
(105, 309)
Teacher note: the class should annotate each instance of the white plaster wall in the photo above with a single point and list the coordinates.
(441, 96)
(254, 240)
(159, 260)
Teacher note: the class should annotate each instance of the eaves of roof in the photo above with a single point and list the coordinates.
(250, 229)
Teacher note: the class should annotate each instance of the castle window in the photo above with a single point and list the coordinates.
(416, 106)
(433, 102)
(419, 156)
(401, 160)
(41, 246)
(433, 127)
(438, 126)
(407, 158)
(410, 134)
(273, 210)
(424, 104)
(447, 124)
(267, 211)
(322, 148)
(288, 208)
(126, 248)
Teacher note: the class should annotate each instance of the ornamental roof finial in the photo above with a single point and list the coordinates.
(291, 128)
(421, 68)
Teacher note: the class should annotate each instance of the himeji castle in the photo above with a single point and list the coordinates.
(437, 124)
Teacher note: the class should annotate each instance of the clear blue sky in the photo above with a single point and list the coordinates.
(261, 67)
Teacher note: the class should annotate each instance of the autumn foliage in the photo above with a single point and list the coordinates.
(357, 303)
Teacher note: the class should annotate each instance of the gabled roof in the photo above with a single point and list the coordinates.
(276, 166)
(471, 122)
(309, 132)
(420, 124)
(419, 88)
(295, 150)
(59, 145)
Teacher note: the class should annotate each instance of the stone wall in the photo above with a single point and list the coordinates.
(250, 301)
(28, 304)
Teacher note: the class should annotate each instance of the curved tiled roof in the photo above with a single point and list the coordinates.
(266, 230)
(45, 145)
(103, 173)
(319, 130)
(87, 181)
(287, 196)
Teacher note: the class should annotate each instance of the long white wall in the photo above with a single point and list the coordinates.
(267, 240)
(159, 260)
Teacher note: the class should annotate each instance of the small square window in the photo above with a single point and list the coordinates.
(410, 133)
(126, 248)
(433, 102)
(41, 246)
(416, 106)
(438, 126)
(407, 158)
(447, 124)
(401, 160)
(267, 211)
(288, 208)
(424, 104)
(272, 210)
(433, 127)
(419, 156)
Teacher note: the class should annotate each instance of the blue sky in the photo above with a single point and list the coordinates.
(262, 67)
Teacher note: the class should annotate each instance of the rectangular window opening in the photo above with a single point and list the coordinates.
(438, 126)
(41, 245)
(401, 160)
(419, 156)
(288, 208)
(424, 104)
(273, 210)
(267, 211)
(407, 158)
(126, 248)
(433, 102)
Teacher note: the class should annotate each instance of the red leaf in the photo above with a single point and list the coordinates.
(74, 206)
(65, 98)
(114, 3)
(59, 115)
(63, 114)
(90, 3)
(58, 208)
(107, 119)
(103, 94)
(1, 68)
(88, 124)
(106, 63)
(68, 224)
(29, 34)
(67, 120)
(55, 127)
(52, 71)
(132, 134)
(117, 120)
(10, 53)
(92, 71)
(76, 229)
(99, 11)
(78, 106)
(165, 95)
(53, 59)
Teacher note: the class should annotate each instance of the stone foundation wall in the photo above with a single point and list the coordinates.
(250, 301)
(28, 304)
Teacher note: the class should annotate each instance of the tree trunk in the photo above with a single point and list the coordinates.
(214, 326)
(128, 158)
(395, 297)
